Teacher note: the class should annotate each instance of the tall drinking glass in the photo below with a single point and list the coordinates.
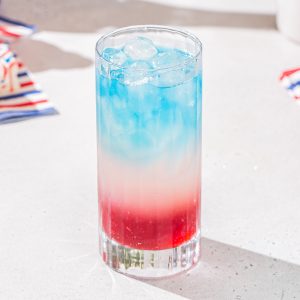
(149, 90)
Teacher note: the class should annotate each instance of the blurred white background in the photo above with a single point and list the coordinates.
(255, 6)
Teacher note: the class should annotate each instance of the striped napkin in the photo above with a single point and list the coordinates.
(290, 79)
(11, 30)
(20, 96)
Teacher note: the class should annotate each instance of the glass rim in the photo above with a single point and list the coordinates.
(181, 32)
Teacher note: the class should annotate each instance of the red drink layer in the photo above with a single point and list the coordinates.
(147, 208)
(154, 230)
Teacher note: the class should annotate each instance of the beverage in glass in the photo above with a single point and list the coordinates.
(149, 92)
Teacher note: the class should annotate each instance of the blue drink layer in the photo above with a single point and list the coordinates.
(147, 107)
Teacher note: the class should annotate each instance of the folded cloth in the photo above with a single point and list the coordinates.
(11, 30)
(290, 79)
(20, 95)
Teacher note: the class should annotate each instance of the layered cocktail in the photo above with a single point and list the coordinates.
(149, 90)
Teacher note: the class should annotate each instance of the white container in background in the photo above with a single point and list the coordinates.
(288, 18)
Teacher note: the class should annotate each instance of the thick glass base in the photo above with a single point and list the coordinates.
(150, 263)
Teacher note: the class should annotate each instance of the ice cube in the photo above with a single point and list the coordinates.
(140, 48)
(173, 67)
(168, 78)
(169, 57)
(184, 94)
(115, 56)
(166, 125)
(137, 73)
(143, 99)
(116, 120)
(173, 76)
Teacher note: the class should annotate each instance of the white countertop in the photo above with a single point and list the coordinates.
(251, 165)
